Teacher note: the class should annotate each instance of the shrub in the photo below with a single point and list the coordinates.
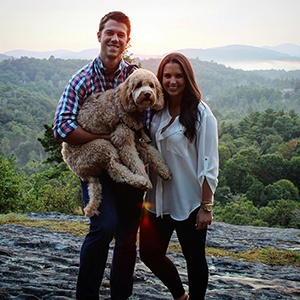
(11, 182)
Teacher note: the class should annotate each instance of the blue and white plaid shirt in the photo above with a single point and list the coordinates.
(91, 79)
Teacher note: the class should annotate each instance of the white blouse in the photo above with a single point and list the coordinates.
(190, 163)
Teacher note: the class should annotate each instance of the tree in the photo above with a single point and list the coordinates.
(289, 149)
(254, 192)
(49, 192)
(227, 141)
(266, 214)
(289, 191)
(270, 143)
(239, 212)
(224, 155)
(294, 171)
(11, 182)
(271, 192)
(223, 195)
(239, 166)
(51, 145)
(271, 168)
(283, 214)
(284, 126)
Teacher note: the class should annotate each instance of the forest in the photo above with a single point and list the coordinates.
(258, 114)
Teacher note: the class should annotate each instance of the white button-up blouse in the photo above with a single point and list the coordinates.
(190, 163)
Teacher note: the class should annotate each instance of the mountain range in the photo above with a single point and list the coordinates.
(230, 55)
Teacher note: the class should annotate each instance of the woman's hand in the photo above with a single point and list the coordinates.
(203, 219)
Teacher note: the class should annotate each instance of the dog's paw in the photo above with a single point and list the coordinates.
(166, 175)
(116, 140)
(89, 212)
(148, 186)
(143, 183)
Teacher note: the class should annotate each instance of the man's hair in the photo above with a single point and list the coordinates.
(117, 16)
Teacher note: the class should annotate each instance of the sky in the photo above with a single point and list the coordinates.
(158, 26)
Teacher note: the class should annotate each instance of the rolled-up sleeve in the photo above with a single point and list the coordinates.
(67, 109)
(207, 147)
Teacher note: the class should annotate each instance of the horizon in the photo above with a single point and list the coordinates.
(163, 27)
(243, 64)
(158, 54)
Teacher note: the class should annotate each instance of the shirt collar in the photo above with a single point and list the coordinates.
(102, 69)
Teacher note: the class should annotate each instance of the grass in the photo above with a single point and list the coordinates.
(268, 255)
(79, 228)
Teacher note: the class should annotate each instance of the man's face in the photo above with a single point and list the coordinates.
(113, 39)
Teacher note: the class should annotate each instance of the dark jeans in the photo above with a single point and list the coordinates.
(119, 217)
(155, 234)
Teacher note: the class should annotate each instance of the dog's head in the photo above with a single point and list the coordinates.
(140, 91)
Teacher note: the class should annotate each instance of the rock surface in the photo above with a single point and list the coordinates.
(41, 264)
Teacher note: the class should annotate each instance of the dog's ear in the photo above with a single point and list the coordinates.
(125, 92)
(159, 103)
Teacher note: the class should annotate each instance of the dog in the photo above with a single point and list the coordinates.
(118, 113)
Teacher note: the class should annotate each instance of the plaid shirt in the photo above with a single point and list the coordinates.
(91, 79)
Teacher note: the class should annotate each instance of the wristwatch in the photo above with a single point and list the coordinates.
(207, 206)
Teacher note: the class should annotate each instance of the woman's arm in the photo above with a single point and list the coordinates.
(208, 166)
(204, 217)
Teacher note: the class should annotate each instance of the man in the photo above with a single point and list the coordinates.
(121, 204)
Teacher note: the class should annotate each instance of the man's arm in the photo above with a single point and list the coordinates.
(80, 136)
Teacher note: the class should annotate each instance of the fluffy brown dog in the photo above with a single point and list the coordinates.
(119, 113)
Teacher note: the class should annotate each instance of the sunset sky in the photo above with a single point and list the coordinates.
(158, 26)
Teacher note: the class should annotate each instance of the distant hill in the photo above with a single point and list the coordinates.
(3, 57)
(290, 49)
(282, 57)
(284, 52)
(237, 53)
(63, 54)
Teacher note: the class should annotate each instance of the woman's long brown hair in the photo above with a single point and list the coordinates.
(191, 95)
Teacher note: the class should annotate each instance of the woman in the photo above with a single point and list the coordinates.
(185, 133)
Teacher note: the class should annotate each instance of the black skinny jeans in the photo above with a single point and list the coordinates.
(120, 213)
(155, 235)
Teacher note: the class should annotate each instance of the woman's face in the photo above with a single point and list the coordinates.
(173, 80)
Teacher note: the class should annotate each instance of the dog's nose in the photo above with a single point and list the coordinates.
(147, 95)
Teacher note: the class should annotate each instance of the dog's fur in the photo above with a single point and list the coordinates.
(119, 113)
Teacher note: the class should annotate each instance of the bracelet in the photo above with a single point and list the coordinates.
(206, 202)
(207, 206)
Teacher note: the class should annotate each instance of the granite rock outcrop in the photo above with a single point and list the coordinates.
(41, 264)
